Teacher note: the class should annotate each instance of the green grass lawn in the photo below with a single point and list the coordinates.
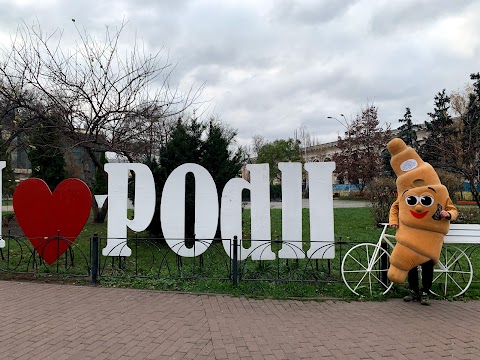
(7, 202)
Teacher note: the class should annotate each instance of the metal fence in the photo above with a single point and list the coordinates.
(152, 258)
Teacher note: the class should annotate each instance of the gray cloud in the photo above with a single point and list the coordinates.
(271, 66)
(414, 14)
(312, 12)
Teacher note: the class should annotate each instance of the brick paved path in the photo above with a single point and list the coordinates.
(48, 321)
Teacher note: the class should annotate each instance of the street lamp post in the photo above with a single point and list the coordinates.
(345, 119)
(344, 124)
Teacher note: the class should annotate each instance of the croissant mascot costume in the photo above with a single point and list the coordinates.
(421, 198)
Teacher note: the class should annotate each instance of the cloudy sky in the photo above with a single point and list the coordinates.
(272, 66)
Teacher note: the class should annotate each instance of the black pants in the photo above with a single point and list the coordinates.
(427, 277)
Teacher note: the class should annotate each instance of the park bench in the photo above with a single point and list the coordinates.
(463, 234)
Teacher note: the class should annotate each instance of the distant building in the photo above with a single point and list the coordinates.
(320, 153)
(325, 151)
(77, 162)
(21, 165)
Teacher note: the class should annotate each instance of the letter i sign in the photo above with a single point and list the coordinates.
(52, 221)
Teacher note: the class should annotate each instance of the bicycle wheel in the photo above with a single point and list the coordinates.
(453, 274)
(364, 270)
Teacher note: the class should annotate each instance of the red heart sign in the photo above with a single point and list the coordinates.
(44, 216)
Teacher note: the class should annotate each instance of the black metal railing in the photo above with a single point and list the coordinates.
(152, 258)
(23, 256)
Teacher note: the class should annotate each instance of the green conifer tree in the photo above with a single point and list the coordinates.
(46, 153)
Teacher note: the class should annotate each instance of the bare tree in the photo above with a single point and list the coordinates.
(306, 138)
(109, 99)
(258, 141)
(15, 122)
(468, 155)
(459, 100)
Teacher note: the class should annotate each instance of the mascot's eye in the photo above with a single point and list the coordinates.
(411, 200)
(426, 200)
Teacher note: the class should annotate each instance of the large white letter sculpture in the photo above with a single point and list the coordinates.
(3, 164)
(144, 205)
(321, 210)
(291, 211)
(231, 213)
(172, 210)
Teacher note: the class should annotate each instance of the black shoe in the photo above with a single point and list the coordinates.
(424, 298)
(413, 296)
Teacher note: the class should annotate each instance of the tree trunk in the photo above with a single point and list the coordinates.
(474, 191)
(99, 214)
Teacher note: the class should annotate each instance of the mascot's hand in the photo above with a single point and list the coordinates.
(445, 214)
(393, 226)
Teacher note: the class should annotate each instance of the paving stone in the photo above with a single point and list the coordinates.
(63, 322)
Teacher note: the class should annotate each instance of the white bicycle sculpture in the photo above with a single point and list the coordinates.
(365, 265)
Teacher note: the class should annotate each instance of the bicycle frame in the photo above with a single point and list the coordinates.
(453, 273)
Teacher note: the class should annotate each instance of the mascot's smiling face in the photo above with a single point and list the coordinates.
(420, 204)
(420, 207)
